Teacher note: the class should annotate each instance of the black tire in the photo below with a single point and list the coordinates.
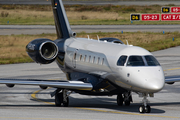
(142, 109)
(120, 100)
(66, 104)
(147, 109)
(127, 102)
(58, 99)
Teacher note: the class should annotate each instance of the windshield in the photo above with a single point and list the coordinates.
(121, 60)
(151, 61)
(135, 61)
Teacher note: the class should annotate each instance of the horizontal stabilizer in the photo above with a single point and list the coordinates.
(64, 84)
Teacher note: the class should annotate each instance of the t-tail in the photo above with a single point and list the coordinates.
(63, 28)
(45, 51)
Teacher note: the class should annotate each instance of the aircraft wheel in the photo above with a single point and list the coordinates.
(66, 103)
(127, 102)
(144, 109)
(58, 99)
(147, 109)
(120, 100)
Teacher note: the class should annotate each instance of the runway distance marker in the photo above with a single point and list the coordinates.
(165, 9)
(135, 17)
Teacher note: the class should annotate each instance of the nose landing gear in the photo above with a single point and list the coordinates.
(145, 108)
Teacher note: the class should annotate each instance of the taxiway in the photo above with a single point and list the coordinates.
(30, 102)
(39, 29)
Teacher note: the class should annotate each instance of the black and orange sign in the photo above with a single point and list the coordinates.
(135, 17)
(165, 9)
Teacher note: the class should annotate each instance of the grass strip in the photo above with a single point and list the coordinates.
(78, 14)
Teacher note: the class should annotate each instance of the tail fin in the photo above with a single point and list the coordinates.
(63, 28)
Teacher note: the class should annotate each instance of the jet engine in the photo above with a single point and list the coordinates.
(42, 50)
(10, 85)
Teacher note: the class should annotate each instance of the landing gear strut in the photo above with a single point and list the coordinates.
(62, 98)
(125, 97)
(145, 108)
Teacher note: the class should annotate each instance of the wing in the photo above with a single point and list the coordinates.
(172, 79)
(77, 85)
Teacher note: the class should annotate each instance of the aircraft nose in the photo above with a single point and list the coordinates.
(154, 85)
(151, 79)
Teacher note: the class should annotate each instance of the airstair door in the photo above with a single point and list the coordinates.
(74, 59)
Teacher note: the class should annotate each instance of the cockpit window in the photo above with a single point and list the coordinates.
(121, 60)
(135, 61)
(151, 61)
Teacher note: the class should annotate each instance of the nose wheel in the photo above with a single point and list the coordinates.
(145, 108)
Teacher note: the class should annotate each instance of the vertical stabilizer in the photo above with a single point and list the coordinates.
(63, 28)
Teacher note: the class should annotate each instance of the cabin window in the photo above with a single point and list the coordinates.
(121, 61)
(151, 61)
(135, 61)
(98, 60)
(85, 58)
(80, 57)
(102, 61)
(93, 59)
(89, 58)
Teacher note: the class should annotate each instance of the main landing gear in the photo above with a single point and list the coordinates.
(145, 108)
(125, 98)
(61, 97)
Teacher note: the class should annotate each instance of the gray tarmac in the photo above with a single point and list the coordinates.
(39, 29)
(27, 102)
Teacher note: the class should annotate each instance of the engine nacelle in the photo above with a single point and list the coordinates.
(42, 50)
(43, 87)
(10, 85)
(170, 83)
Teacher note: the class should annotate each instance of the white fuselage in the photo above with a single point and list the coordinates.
(99, 57)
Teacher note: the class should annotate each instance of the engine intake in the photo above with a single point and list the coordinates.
(48, 50)
(42, 51)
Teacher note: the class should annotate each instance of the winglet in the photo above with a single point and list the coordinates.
(63, 28)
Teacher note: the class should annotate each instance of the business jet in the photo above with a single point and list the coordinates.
(99, 67)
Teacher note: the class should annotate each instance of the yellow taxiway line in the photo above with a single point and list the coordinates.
(30, 118)
(171, 69)
(33, 95)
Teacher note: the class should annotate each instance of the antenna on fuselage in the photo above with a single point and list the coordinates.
(98, 37)
(88, 37)
(127, 42)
